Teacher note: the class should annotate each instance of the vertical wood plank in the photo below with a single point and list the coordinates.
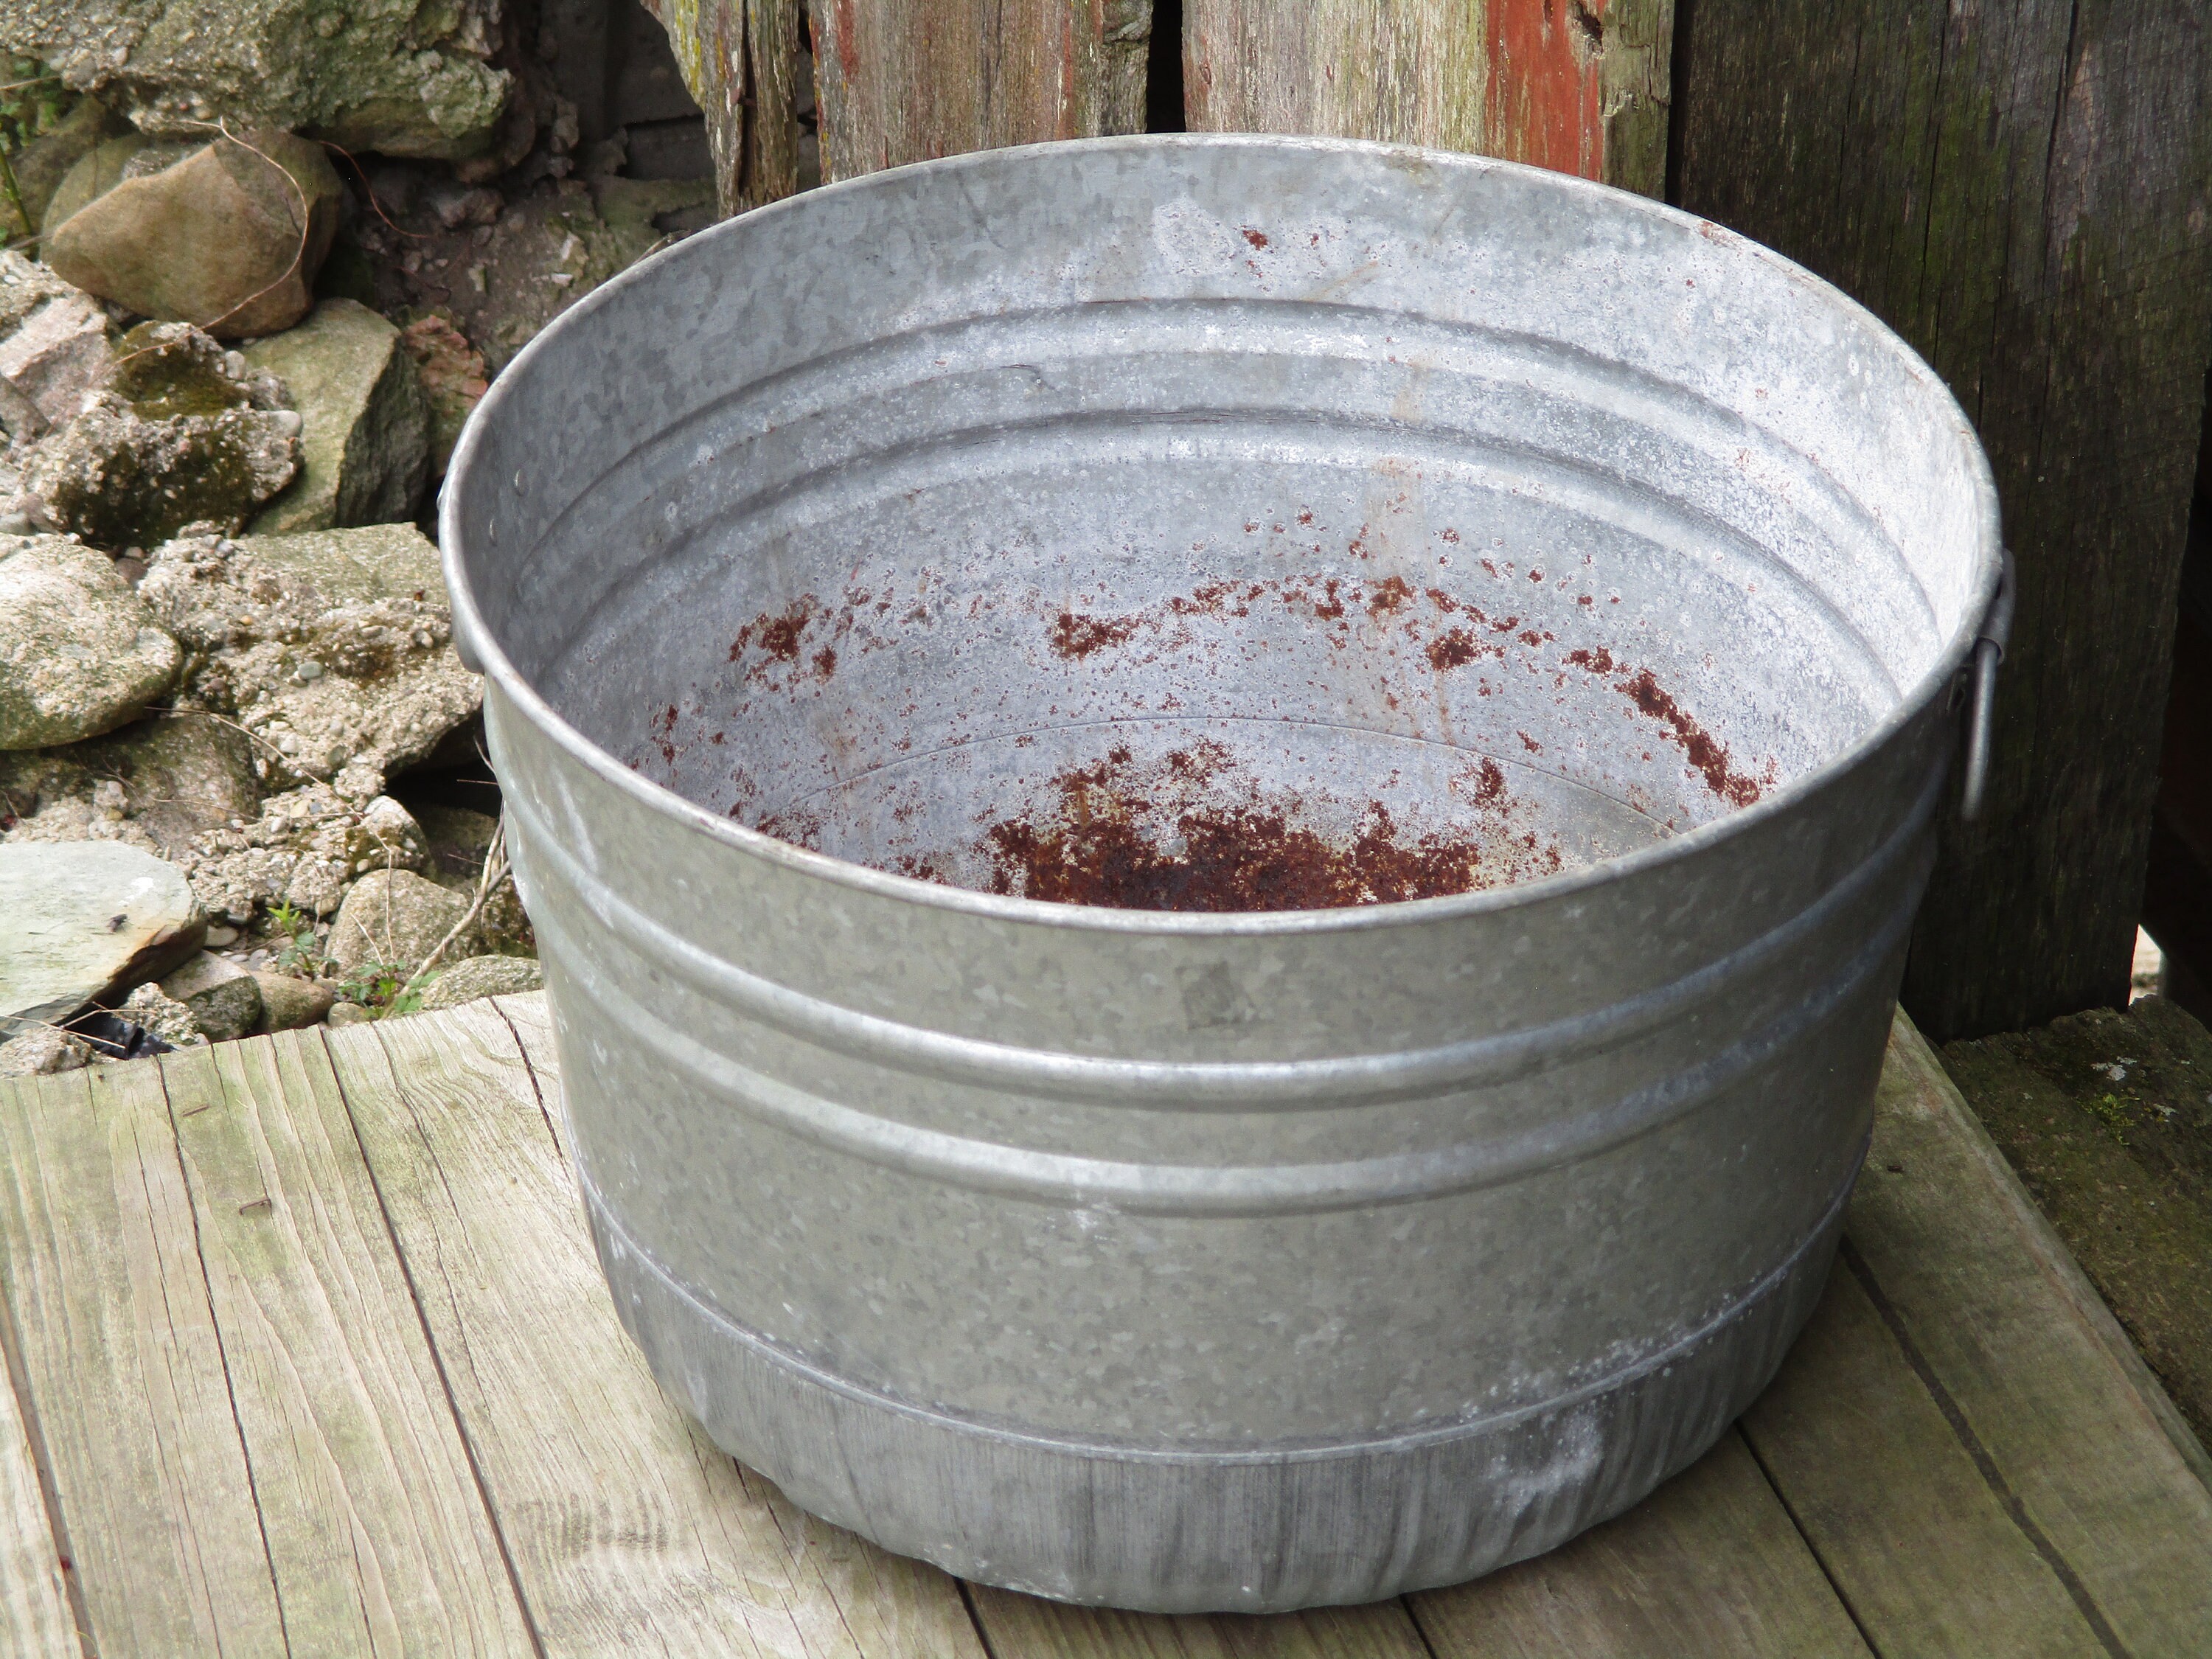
(1578, 88)
(35, 1618)
(1710, 1565)
(379, 1538)
(1402, 73)
(2031, 1364)
(2023, 189)
(1919, 1547)
(630, 1532)
(739, 60)
(908, 80)
(108, 1300)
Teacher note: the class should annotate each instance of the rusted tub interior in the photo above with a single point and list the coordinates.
(1189, 599)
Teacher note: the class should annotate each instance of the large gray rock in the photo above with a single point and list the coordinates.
(395, 918)
(365, 443)
(159, 783)
(80, 653)
(225, 999)
(478, 977)
(227, 236)
(181, 433)
(303, 849)
(25, 285)
(334, 648)
(396, 77)
(84, 921)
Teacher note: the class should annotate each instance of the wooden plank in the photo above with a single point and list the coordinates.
(1709, 1564)
(1918, 1544)
(741, 60)
(35, 1618)
(629, 1531)
(2023, 189)
(1406, 74)
(907, 80)
(108, 1300)
(1578, 88)
(378, 1535)
(1031, 1628)
(2091, 1451)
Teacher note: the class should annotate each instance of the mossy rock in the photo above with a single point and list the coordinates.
(365, 440)
(401, 77)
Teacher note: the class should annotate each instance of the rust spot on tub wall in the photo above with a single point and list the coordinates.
(1076, 636)
(1708, 755)
(1453, 648)
(1388, 594)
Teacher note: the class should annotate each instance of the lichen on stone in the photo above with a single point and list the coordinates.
(402, 78)
(181, 433)
(333, 649)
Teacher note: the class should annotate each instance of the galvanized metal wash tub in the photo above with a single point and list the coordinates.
(995, 520)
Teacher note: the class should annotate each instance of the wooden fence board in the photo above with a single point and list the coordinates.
(2023, 189)
(1581, 88)
(907, 80)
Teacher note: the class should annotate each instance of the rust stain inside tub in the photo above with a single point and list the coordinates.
(1104, 836)
(1281, 822)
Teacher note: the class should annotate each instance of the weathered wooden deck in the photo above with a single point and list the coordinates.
(309, 1354)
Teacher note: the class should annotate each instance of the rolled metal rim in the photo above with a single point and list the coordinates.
(476, 640)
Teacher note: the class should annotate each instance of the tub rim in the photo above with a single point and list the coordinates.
(480, 649)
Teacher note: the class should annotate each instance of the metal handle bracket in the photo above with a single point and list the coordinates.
(1989, 652)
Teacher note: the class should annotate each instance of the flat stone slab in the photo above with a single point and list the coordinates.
(84, 921)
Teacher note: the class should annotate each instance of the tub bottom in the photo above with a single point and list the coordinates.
(1244, 1531)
